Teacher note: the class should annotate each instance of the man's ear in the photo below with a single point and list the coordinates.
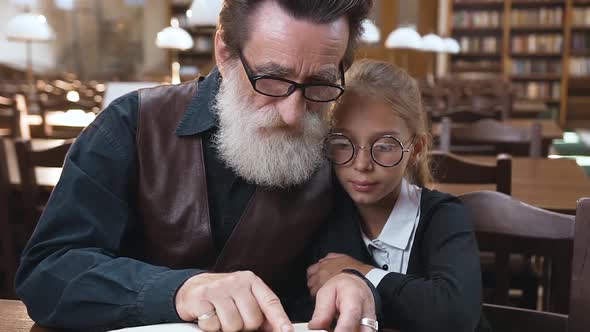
(222, 53)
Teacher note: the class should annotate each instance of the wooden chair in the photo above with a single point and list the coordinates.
(508, 319)
(32, 195)
(506, 226)
(449, 168)
(8, 259)
(490, 137)
(9, 121)
(60, 103)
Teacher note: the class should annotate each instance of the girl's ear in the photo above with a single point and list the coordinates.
(419, 143)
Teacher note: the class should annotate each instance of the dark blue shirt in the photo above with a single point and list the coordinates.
(72, 274)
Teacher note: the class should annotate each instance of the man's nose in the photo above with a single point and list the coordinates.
(292, 108)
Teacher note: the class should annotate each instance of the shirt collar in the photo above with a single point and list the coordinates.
(200, 115)
(402, 221)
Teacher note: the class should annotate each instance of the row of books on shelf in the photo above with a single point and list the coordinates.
(537, 90)
(477, 19)
(580, 66)
(531, 43)
(581, 41)
(477, 66)
(541, 16)
(542, 2)
(477, 1)
(520, 67)
(480, 45)
(581, 16)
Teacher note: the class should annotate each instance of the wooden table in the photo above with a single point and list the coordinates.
(552, 184)
(528, 109)
(550, 130)
(14, 318)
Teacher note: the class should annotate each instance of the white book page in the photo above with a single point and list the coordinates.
(188, 327)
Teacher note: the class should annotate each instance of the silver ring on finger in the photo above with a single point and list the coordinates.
(372, 323)
(207, 315)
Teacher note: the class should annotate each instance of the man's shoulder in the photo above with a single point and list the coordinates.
(119, 114)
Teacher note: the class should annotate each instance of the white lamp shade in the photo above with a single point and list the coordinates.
(29, 27)
(205, 12)
(404, 38)
(451, 46)
(432, 43)
(371, 33)
(174, 38)
(64, 4)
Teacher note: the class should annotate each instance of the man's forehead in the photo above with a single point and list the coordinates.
(278, 41)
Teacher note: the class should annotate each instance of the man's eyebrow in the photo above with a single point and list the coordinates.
(326, 75)
(275, 69)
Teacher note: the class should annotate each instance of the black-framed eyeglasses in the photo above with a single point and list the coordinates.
(273, 86)
(386, 151)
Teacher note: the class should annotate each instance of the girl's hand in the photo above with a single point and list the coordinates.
(319, 273)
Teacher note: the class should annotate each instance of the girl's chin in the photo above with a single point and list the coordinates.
(363, 198)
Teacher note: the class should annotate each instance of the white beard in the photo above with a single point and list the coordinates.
(278, 158)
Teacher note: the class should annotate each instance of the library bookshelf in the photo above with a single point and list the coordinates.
(541, 46)
(201, 57)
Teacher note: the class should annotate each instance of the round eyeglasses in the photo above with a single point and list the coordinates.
(386, 151)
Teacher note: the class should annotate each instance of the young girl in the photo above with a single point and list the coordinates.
(416, 246)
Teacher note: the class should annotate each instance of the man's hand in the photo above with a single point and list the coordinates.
(231, 302)
(319, 273)
(347, 297)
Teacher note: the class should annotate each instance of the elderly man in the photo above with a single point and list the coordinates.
(198, 202)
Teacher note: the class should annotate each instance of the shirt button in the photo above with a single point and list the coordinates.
(385, 267)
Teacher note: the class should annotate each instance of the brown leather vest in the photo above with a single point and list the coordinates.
(273, 231)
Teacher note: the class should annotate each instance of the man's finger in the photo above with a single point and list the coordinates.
(368, 312)
(211, 322)
(325, 309)
(271, 306)
(350, 311)
(313, 269)
(228, 314)
(334, 255)
(249, 310)
(313, 280)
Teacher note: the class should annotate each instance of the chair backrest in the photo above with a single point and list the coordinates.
(449, 168)
(7, 255)
(509, 319)
(9, 116)
(28, 160)
(579, 317)
(492, 137)
(507, 226)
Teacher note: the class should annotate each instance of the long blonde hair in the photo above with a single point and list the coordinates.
(384, 81)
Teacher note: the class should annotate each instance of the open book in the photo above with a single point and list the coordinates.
(188, 327)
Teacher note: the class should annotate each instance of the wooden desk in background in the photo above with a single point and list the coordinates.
(14, 318)
(552, 184)
(551, 129)
(528, 109)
